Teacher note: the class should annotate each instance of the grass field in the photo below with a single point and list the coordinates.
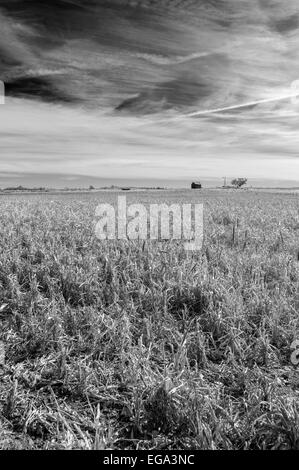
(133, 345)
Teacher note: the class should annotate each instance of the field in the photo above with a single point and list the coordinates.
(142, 345)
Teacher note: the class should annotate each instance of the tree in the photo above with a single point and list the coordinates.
(91, 187)
(239, 182)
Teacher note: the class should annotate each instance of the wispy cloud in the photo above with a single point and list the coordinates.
(100, 87)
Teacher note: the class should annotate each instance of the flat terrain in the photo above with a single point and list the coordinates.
(142, 345)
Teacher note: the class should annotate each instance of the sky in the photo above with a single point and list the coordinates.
(151, 90)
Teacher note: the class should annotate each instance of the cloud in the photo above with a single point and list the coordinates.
(58, 139)
(98, 86)
(102, 51)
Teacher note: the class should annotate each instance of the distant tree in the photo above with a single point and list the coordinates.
(239, 182)
(91, 187)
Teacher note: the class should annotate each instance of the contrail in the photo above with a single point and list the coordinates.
(240, 106)
(229, 108)
(162, 60)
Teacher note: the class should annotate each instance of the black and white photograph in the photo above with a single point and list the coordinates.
(149, 228)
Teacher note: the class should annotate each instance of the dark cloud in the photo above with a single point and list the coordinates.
(39, 88)
(146, 55)
(168, 95)
(285, 25)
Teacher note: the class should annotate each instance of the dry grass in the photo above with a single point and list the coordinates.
(143, 345)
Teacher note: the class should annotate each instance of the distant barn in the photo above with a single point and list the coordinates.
(196, 185)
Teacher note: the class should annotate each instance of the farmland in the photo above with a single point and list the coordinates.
(143, 345)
